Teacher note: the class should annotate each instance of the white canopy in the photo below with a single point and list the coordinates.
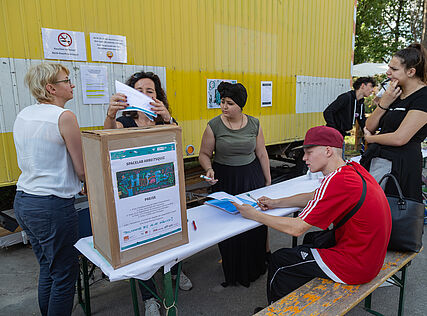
(369, 69)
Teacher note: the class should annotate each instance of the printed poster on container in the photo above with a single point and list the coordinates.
(94, 84)
(214, 100)
(146, 193)
(110, 48)
(62, 44)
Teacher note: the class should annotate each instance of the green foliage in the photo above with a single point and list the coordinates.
(385, 26)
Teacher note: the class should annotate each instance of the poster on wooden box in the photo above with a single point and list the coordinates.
(146, 193)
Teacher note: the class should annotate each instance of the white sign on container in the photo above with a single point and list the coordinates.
(94, 84)
(266, 93)
(107, 47)
(63, 44)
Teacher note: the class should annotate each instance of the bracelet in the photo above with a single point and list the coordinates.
(209, 169)
(111, 117)
(385, 109)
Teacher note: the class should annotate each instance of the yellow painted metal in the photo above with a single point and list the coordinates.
(246, 40)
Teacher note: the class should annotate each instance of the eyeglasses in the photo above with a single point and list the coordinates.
(65, 80)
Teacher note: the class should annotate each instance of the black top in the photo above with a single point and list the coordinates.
(339, 114)
(128, 121)
(406, 159)
(392, 119)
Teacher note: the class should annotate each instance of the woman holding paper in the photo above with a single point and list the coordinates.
(149, 84)
(49, 152)
(240, 164)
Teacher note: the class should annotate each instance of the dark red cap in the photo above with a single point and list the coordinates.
(323, 136)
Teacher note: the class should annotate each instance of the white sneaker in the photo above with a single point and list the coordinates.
(184, 282)
(152, 307)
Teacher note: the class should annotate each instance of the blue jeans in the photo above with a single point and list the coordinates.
(51, 224)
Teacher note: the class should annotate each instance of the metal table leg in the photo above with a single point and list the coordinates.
(85, 304)
(134, 297)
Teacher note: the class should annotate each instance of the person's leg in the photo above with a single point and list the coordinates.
(289, 268)
(29, 210)
(146, 294)
(62, 255)
(184, 282)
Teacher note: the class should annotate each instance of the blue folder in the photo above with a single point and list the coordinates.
(226, 205)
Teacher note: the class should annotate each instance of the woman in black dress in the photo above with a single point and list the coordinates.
(401, 117)
(240, 164)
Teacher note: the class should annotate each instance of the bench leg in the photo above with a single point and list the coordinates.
(400, 282)
(368, 301)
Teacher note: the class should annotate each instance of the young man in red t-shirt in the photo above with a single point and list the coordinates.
(361, 243)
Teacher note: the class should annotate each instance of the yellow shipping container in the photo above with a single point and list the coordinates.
(304, 47)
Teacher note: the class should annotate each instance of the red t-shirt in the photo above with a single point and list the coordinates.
(362, 241)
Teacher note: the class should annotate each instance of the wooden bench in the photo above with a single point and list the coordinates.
(325, 297)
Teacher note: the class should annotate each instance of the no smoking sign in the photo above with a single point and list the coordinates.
(65, 39)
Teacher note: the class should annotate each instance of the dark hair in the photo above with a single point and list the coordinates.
(364, 80)
(414, 56)
(161, 95)
(237, 92)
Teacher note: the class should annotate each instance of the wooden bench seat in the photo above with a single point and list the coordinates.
(325, 297)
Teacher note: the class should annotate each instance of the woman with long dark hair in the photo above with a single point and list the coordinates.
(401, 118)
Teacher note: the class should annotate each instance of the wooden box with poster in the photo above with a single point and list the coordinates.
(136, 191)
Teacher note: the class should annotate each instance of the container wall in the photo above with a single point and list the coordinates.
(304, 47)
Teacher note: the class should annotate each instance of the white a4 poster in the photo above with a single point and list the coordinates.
(109, 48)
(63, 44)
(146, 193)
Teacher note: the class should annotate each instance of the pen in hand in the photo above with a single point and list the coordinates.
(205, 177)
(257, 201)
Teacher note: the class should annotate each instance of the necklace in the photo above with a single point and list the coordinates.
(231, 126)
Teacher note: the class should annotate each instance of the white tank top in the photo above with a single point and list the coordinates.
(46, 165)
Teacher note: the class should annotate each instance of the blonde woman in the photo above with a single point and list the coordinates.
(49, 153)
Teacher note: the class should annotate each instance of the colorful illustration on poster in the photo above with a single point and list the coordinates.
(213, 98)
(142, 180)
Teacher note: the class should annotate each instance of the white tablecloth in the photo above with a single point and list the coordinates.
(213, 226)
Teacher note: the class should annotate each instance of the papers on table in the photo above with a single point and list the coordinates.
(223, 200)
(137, 100)
(225, 196)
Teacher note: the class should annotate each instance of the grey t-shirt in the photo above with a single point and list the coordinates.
(234, 147)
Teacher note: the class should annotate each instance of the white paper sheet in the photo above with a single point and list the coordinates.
(94, 84)
(63, 44)
(109, 48)
(225, 196)
(266, 93)
(137, 100)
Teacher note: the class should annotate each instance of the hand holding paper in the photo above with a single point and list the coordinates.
(137, 100)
